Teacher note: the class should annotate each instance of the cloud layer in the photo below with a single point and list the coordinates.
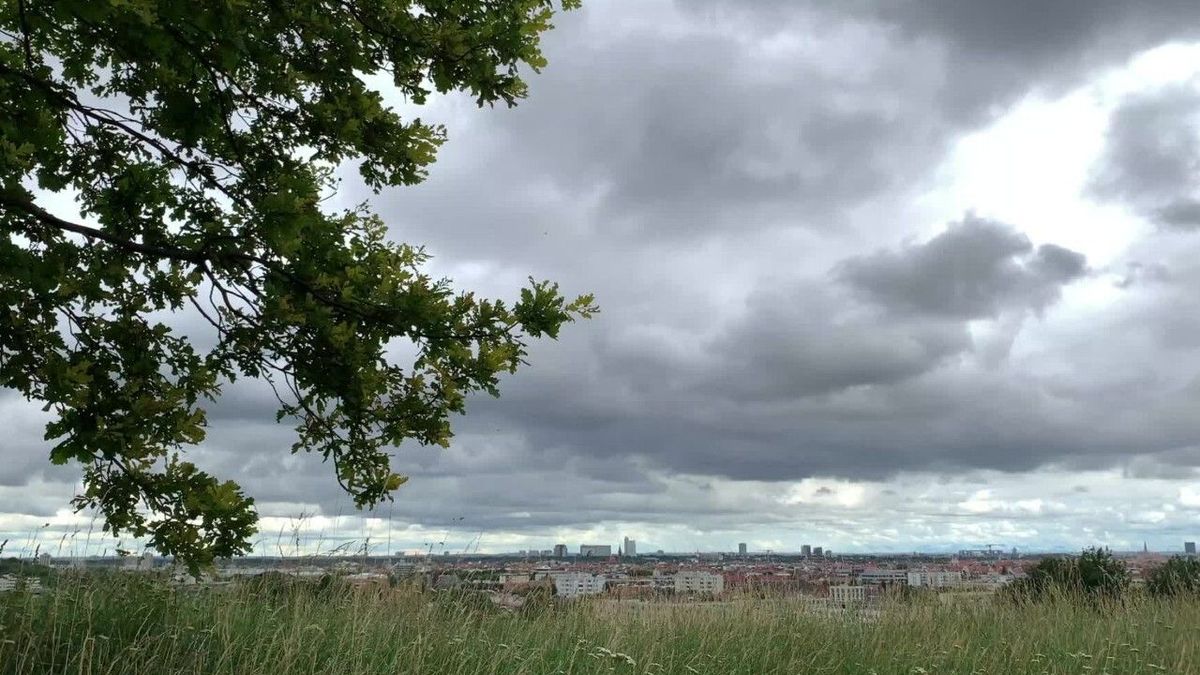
(800, 341)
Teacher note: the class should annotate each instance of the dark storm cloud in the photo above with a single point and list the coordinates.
(682, 133)
(803, 341)
(976, 269)
(992, 53)
(1152, 156)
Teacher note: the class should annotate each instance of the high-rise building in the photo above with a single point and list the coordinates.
(741, 549)
(560, 550)
(817, 552)
(1189, 547)
(806, 550)
(630, 547)
(595, 550)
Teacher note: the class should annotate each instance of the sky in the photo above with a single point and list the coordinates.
(876, 275)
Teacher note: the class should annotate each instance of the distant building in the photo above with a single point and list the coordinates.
(545, 553)
(883, 577)
(845, 595)
(828, 553)
(699, 582)
(575, 584)
(817, 552)
(935, 579)
(1189, 547)
(560, 550)
(630, 546)
(44, 559)
(595, 550)
(806, 550)
(741, 549)
(143, 562)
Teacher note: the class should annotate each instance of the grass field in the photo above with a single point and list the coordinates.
(124, 624)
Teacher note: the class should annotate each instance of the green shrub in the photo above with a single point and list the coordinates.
(1095, 575)
(1177, 576)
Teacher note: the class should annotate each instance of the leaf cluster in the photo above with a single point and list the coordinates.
(198, 142)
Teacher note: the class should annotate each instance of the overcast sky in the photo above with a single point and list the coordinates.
(875, 275)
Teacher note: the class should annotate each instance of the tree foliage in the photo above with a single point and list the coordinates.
(1177, 576)
(197, 143)
(1095, 573)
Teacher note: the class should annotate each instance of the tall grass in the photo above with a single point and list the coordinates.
(126, 624)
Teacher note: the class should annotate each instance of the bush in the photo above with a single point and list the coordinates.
(1095, 574)
(1177, 576)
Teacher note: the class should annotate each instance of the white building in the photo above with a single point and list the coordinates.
(630, 546)
(847, 594)
(699, 582)
(935, 579)
(890, 577)
(595, 550)
(143, 562)
(575, 584)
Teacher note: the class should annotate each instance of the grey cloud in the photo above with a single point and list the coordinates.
(1152, 157)
(1182, 213)
(804, 341)
(975, 269)
(992, 53)
(702, 176)
(1139, 273)
(681, 134)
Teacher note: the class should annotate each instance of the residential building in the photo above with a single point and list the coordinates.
(699, 582)
(1189, 547)
(595, 550)
(741, 549)
(817, 552)
(806, 550)
(630, 547)
(560, 550)
(575, 584)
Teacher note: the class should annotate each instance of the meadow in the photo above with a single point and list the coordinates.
(113, 623)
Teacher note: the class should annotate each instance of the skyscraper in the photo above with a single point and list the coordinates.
(1189, 547)
(806, 550)
(741, 549)
(560, 550)
(630, 547)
